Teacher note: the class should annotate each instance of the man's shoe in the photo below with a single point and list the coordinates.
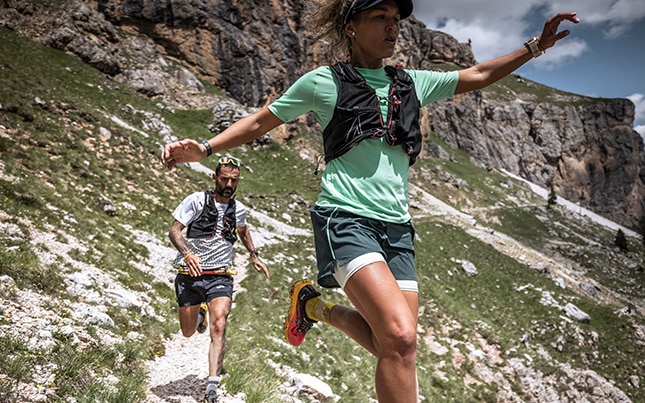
(211, 397)
(211, 392)
(203, 315)
(297, 324)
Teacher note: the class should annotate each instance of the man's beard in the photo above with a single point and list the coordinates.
(225, 192)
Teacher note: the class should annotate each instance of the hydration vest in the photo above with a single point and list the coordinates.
(205, 224)
(357, 115)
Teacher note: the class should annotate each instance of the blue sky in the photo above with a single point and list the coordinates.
(604, 56)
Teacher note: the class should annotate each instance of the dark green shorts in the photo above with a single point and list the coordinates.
(342, 237)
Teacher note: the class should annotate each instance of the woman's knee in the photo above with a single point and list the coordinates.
(401, 340)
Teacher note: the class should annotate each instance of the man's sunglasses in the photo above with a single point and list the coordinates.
(229, 161)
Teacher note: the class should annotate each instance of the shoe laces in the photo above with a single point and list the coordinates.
(305, 325)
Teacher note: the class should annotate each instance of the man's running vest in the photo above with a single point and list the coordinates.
(357, 115)
(205, 225)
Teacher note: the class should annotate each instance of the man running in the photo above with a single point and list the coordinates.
(204, 284)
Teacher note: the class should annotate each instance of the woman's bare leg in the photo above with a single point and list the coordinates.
(385, 324)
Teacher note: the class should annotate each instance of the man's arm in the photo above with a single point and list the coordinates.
(247, 241)
(193, 262)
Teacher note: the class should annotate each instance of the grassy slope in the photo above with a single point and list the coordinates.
(60, 160)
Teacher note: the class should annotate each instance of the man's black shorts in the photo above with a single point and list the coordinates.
(195, 290)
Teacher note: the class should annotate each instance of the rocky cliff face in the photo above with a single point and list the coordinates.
(589, 152)
(255, 50)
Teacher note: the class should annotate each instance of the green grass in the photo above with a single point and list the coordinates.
(248, 372)
(494, 298)
(590, 244)
(82, 374)
(491, 296)
(62, 176)
(515, 86)
(193, 123)
(461, 184)
(19, 261)
(15, 364)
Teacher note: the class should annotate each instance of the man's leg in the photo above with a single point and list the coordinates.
(189, 298)
(218, 310)
(188, 319)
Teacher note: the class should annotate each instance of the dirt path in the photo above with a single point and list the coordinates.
(180, 375)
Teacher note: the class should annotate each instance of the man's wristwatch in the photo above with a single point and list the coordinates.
(254, 253)
(533, 45)
(207, 146)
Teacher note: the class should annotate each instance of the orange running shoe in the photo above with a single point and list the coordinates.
(297, 324)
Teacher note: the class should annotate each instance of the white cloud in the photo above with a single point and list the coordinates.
(641, 130)
(496, 27)
(639, 101)
(615, 16)
(564, 52)
(639, 118)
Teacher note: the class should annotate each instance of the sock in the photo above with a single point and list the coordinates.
(319, 310)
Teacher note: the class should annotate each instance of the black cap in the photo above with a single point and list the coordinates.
(405, 7)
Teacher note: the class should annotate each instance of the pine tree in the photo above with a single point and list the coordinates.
(553, 197)
(621, 241)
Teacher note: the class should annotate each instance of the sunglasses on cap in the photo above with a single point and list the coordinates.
(229, 161)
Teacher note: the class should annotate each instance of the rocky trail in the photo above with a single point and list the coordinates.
(179, 376)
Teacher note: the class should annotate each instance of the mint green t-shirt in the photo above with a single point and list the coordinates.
(371, 179)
